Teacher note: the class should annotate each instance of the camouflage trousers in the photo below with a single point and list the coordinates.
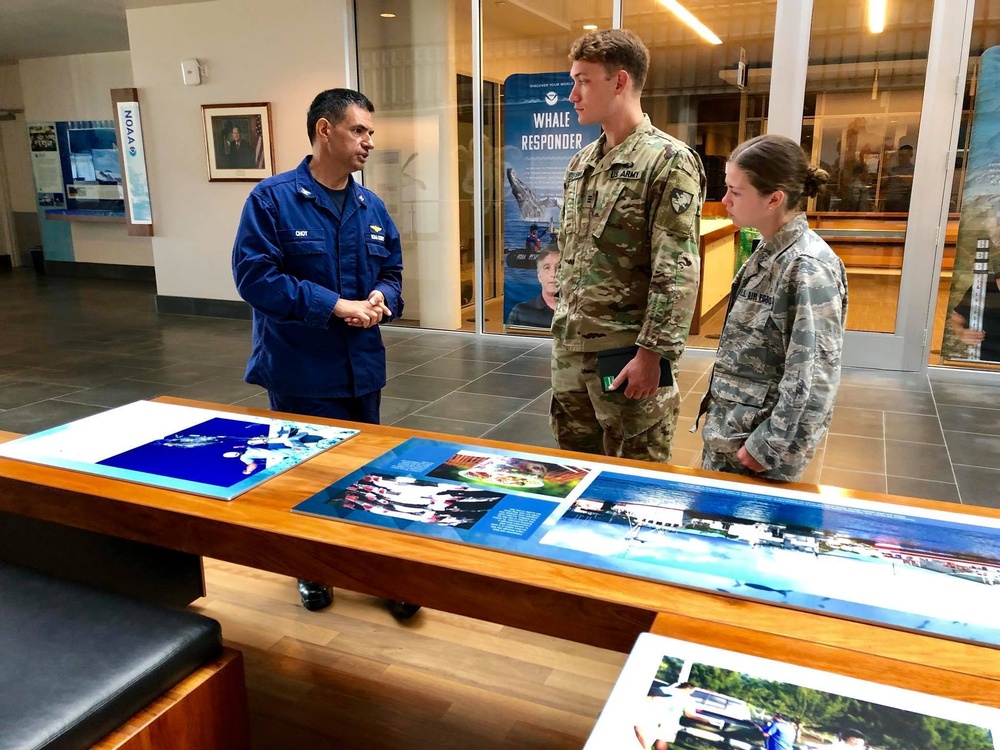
(586, 419)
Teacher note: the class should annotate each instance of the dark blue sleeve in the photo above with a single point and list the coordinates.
(258, 270)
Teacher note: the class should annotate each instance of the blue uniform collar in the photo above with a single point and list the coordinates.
(307, 188)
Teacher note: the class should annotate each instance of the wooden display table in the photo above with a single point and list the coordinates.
(590, 606)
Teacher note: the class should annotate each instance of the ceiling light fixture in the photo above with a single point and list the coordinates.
(590, 27)
(387, 15)
(686, 16)
(876, 16)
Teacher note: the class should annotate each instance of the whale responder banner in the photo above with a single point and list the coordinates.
(540, 135)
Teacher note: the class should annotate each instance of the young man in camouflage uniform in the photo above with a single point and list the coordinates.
(629, 234)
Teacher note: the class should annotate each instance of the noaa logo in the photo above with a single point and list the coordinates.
(301, 233)
(552, 98)
(131, 150)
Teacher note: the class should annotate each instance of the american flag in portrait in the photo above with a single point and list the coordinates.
(259, 138)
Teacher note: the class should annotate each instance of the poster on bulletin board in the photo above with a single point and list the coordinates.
(76, 167)
(45, 165)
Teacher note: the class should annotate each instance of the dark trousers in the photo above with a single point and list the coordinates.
(357, 409)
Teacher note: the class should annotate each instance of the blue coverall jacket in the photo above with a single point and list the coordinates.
(294, 257)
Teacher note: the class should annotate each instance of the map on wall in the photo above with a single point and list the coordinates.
(690, 696)
(202, 451)
(926, 570)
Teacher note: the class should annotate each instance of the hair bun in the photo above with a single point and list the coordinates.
(815, 181)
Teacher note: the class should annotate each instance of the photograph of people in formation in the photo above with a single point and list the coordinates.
(530, 475)
(223, 452)
(865, 561)
(701, 697)
(441, 503)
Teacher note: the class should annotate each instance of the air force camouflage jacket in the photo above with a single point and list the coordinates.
(628, 239)
(778, 365)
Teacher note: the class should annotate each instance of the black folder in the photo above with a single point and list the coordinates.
(610, 362)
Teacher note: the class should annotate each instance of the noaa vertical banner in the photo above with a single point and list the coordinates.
(541, 134)
(974, 302)
(134, 160)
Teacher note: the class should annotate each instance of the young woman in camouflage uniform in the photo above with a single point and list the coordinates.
(778, 366)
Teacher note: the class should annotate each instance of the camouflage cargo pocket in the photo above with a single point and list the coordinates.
(736, 410)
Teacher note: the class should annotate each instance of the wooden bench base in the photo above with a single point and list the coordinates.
(207, 710)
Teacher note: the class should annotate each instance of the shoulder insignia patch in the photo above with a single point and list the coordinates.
(680, 200)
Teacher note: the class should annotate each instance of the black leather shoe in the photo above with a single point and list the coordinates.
(315, 596)
(403, 610)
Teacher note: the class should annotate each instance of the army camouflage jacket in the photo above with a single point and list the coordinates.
(778, 365)
(628, 242)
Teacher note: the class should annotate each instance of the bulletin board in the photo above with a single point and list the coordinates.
(76, 167)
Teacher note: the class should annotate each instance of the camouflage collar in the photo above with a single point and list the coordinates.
(793, 229)
(783, 238)
(621, 154)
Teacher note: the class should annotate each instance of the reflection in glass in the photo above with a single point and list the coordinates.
(864, 92)
(695, 92)
(411, 66)
(978, 216)
(524, 41)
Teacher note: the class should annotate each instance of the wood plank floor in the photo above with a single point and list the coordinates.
(352, 677)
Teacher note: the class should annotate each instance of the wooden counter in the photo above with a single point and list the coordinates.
(719, 238)
(874, 240)
(590, 606)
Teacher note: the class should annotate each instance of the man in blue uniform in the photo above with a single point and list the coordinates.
(779, 734)
(318, 259)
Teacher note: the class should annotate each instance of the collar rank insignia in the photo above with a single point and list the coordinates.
(305, 192)
(680, 200)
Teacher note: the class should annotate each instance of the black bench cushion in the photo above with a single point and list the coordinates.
(75, 662)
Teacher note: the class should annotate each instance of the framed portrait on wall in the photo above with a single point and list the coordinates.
(238, 141)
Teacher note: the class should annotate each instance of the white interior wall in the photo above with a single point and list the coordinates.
(254, 51)
(17, 159)
(78, 87)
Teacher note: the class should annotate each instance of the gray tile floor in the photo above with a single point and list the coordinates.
(73, 347)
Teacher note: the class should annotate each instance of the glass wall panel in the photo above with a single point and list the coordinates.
(524, 48)
(864, 92)
(415, 64)
(694, 93)
(975, 207)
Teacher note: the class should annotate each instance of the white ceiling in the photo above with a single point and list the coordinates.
(47, 28)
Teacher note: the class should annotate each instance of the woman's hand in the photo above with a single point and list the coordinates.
(744, 457)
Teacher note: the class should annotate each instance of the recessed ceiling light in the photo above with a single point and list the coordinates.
(387, 15)
(590, 26)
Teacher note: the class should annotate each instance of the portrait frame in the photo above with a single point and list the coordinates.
(238, 142)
